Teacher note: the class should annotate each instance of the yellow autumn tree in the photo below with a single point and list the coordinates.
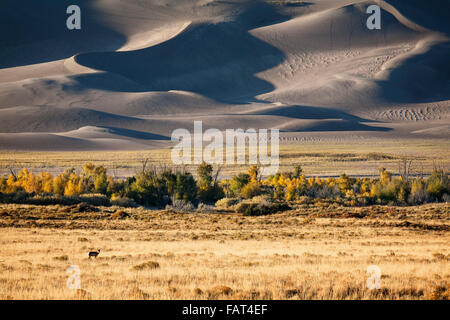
(12, 185)
(59, 183)
(28, 181)
(46, 182)
(74, 185)
(2, 185)
(291, 190)
(253, 172)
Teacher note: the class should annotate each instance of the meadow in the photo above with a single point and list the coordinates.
(314, 251)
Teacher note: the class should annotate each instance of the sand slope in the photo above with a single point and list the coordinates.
(140, 69)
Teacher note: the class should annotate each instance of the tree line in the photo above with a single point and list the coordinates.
(160, 187)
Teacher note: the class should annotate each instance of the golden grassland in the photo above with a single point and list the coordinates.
(363, 157)
(314, 251)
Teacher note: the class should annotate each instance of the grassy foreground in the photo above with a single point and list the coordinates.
(310, 252)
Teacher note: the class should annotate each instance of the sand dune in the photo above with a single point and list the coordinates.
(140, 69)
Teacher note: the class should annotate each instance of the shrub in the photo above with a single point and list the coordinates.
(82, 207)
(220, 290)
(95, 199)
(394, 190)
(211, 193)
(418, 193)
(45, 200)
(186, 187)
(120, 214)
(226, 203)
(298, 171)
(101, 183)
(20, 197)
(145, 189)
(62, 258)
(122, 202)
(446, 197)
(437, 184)
(204, 208)
(327, 192)
(137, 294)
(146, 265)
(238, 182)
(440, 292)
(50, 199)
(264, 198)
(204, 172)
(242, 207)
(251, 190)
(181, 205)
(259, 209)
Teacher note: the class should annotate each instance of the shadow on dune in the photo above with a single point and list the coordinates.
(421, 78)
(135, 134)
(34, 32)
(104, 81)
(431, 14)
(308, 112)
(216, 60)
(338, 125)
(298, 4)
(327, 119)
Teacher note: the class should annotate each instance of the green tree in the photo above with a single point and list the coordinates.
(238, 182)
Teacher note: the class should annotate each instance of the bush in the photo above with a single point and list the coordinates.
(437, 185)
(259, 209)
(145, 189)
(50, 199)
(446, 197)
(20, 197)
(204, 208)
(251, 190)
(181, 206)
(46, 200)
(211, 193)
(327, 192)
(264, 198)
(226, 203)
(120, 214)
(122, 202)
(186, 187)
(386, 193)
(242, 207)
(95, 199)
(238, 182)
(418, 194)
(146, 265)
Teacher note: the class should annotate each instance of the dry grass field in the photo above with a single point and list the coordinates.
(319, 251)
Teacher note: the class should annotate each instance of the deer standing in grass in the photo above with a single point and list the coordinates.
(94, 254)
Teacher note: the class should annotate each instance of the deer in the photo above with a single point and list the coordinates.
(94, 254)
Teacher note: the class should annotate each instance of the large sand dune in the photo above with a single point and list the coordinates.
(138, 69)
